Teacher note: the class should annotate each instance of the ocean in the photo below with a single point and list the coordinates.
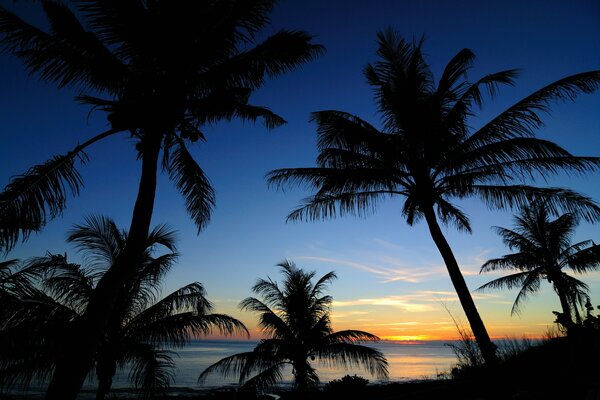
(407, 361)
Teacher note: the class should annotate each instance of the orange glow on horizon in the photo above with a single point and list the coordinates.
(409, 339)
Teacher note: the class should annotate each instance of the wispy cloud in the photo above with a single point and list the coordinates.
(400, 323)
(385, 264)
(387, 274)
(390, 301)
(417, 301)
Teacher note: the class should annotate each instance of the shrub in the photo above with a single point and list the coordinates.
(347, 384)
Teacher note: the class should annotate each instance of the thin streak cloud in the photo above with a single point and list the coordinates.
(388, 274)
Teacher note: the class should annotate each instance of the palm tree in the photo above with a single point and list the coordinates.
(139, 331)
(166, 69)
(295, 317)
(544, 250)
(427, 154)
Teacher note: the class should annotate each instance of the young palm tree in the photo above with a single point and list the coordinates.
(545, 251)
(427, 154)
(295, 317)
(139, 331)
(165, 68)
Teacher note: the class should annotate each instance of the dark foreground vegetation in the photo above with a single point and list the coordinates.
(559, 368)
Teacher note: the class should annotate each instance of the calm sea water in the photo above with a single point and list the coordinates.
(406, 362)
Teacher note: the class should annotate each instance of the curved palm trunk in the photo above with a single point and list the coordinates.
(488, 349)
(72, 370)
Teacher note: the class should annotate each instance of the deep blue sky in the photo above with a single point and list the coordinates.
(385, 267)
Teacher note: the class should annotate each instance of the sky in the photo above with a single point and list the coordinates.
(391, 279)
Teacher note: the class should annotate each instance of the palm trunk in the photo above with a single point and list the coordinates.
(72, 370)
(301, 376)
(559, 284)
(104, 384)
(487, 348)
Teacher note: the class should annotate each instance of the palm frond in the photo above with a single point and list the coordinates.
(99, 239)
(39, 194)
(68, 55)
(522, 119)
(266, 378)
(321, 207)
(529, 286)
(162, 235)
(152, 370)
(269, 321)
(279, 53)
(349, 355)
(116, 23)
(350, 336)
(72, 285)
(192, 183)
(584, 260)
(228, 366)
(451, 215)
(556, 199)
(270, 292)
(521, 261)
(6, 269)
(577, 291)
(509, 282)
(524, 158)
(490, 82)
(178, 329)
(338, 129)
(229, 104)
(322, 283)
(456, 68)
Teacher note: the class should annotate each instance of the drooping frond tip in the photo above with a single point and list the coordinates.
(41, 193)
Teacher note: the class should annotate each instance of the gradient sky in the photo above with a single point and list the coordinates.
(392, 281)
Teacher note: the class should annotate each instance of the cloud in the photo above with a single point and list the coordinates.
(417, 301)
(389, 268)
(341, 315)
(390, 301)
(387, 274)
(400, 323)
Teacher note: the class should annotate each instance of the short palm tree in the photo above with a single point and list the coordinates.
(140, 331)
(428, 155)
(161, 70)
(544, 251)
(295, 318)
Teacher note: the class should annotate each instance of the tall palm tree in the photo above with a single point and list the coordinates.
(544, 251)
(295, 317)
(165, 68)
(139, 332)
(427, 154)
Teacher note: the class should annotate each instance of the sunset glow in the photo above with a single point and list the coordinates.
(391, 279)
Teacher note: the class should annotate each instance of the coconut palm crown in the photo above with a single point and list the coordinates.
(161, 70)
(295, 318)
(142, 333)
(427, 154)
(544, 251)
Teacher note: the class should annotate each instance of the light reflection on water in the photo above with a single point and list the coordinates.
(406, 362)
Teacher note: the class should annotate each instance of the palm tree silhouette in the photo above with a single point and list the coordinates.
(544, 250)
(140, 330)
(295, 317)
(427, 154)
(167, 68)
